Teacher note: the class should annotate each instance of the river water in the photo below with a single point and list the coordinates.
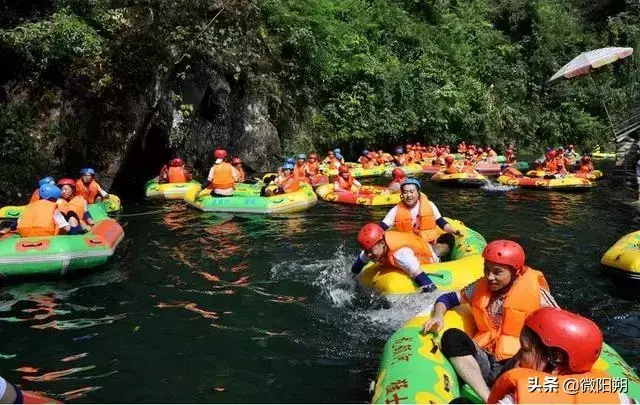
(197, 307)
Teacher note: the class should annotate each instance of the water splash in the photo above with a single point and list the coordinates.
(497, 187)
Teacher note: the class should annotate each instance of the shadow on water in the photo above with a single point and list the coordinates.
(201, 307)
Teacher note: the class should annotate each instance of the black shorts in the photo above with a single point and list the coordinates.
(456, 343)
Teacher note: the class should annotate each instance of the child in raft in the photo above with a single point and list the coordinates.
(344, 181)
(500, 302)
(237, 164)
(398, 177)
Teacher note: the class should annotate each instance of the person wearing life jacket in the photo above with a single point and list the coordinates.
(586, 165)
(506, 170)
(417, 153)
(364, 158)
(301, 170)
(462, 147)
(73, 207)
(402, 250)
(222, 176)
(571, 152)
(88, 187)
(560, 346)
(344, 181)
(430, 153)
(237, 164)
(450, 166)
(398, 176)
(511, 157)
(467, 167)
(338, 154)
(366, 162)
(313, 167)
(500, 302)
(480, 154)
(175, 172)
(550, 163)
(330, 157)
(399, 157)
(388, 158)
(45, 180)
(490, 152)
(381, 159)
(290, 183)
(43, 218)
(561, 159)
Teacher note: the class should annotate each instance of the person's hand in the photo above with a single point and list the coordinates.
(434, 324)
(106, 196)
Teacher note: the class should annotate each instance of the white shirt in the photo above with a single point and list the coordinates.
(390, 219)
(406, 260)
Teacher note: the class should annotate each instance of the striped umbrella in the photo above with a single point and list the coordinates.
(587, 61)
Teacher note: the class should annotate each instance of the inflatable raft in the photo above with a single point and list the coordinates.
(594, 175)
(357, 171)
(460, 179)
(487, 168)
(429, 169)
(110, 205)
(368, 195)
(566, 183)
(246, 199)
(602, 155)
(414, 370)
(623, 258)
(466, 265)
(64, 253)
(170, 191)
(410, 169)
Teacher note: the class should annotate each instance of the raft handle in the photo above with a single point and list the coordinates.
(30, 245)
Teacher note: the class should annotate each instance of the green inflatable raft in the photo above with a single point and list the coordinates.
(110, 205)
(246, 199)
(413, 369)
(61, 254)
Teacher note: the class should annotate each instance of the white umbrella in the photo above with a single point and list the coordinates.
(587, 61)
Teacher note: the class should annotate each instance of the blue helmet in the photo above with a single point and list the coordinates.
(365, 152)
(288, 166)
(413, 181)
(87, 170)
(399, 151)
(290, 161)
(46, 180)
(48, 191)
(339, 156)
(302, 156)
(337, 151)
(503, 166)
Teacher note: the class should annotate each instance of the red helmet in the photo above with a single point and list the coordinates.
(509, 151)
(219, 153)
(369, 235)
(236, 161)
(177, 162)
(398, 173)
(449, 159)
(467, 162)
(551, 153)
(578, 336)
(343, 169)
(505, 252)
(439, 153)
(67, 182)
(313, 156)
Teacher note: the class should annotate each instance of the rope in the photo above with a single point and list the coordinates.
(145, 213)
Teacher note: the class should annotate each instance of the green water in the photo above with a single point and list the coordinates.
(197, 307)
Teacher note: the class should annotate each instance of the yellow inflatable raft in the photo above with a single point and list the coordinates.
(110, 205)
(566, 183)
(466, 265)
(460, 179)
(357, 171)
(170, 191)
(410, 169)
(624, 256)
(368, 195)
(593, 175)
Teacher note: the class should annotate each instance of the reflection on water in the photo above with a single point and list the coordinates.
(201, 307)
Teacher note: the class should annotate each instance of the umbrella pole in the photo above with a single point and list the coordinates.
(606, 110)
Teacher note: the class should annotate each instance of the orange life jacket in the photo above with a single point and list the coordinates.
(177, 175)
(516, 382)
(290, 184)
(37, 219)
(510, 171)
(522, 299)
(222, 176)
(468, 169)
(368, 165)
(550, 166)
(381, 160)
(451, 169)
(586, 168)
(511, 158)
(345, 184)
(400, 159)
(313, 168)
(75, 204)
(300, 173)
(35, 196)
(462, 148)
(425, 223)
(397, 240)
(89, 192)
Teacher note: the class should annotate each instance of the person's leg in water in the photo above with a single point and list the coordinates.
(473, 365)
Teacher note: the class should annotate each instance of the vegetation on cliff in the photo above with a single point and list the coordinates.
(334, 72)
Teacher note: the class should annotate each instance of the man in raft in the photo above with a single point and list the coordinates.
(344, 181)
(88, 187)
(176, 172)
(500, 303)
(45, 180)
(43, 218)
(222, 176)
(301, 170)
(571, 152)
(414, 214)
(402, 250)
(556, 345)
